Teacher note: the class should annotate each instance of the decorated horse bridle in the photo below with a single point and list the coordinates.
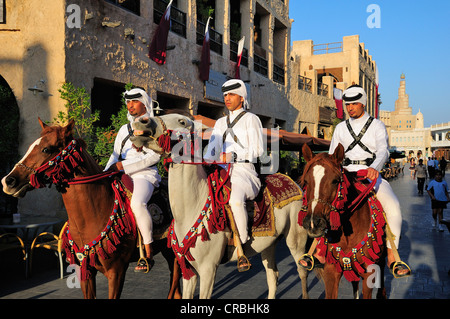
(339, 204)
(60, 170)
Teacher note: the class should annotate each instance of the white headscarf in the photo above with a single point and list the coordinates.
(141, 96)
(237, 87)
(355, 94)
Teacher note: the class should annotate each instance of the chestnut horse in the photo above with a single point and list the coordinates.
(55, 158)
(348, 219)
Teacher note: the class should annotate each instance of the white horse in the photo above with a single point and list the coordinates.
(188, 192)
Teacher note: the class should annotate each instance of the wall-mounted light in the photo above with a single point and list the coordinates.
(36, 88)
(157, 109)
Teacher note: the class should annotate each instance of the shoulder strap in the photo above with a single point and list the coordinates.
(357, 138)
(130, 133)
(230, 126)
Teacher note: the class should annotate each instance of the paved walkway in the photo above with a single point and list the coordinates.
(424, 249)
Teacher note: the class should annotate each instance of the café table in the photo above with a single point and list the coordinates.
(27, 229)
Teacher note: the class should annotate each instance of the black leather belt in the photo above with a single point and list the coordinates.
(366, 162)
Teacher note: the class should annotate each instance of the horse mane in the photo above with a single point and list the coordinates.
(90, 164)
(180, 112)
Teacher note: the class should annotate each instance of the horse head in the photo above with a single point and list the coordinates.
(52, 141)
(161, 133)
(321, 180)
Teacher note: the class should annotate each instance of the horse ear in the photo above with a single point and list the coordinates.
(306, 152)
(42, 124)
(338, 154)
(70, 125)
(69, 128)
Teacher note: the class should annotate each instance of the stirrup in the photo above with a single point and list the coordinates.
(309, 262)
(245, 260)
(144, 262)
(399, 265)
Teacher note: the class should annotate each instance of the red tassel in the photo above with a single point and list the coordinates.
(372, 254)
(110, 247)
(350, 275)
(301, 216)
(85, 273)
(164, 142)
(204, 234)
(375, 246)
(101, 252)
(335, 220)
(367, 261)
(330, 259)
(358, 267)
(114, 237)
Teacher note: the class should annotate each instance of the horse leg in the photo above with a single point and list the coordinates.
(331, 279)
(189, 287)
(381, 291)
(116, 279)
(296, 241)
(268, 260)
(367, 289)
(89, 287)
(355, 286)
(207, 277)
(175, 276)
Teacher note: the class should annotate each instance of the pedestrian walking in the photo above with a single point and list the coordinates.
(443, 165)
(420, 171)
(438, 191)
(412, 166)
(430, 165)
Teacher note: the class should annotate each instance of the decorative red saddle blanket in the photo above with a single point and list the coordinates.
(277, 191)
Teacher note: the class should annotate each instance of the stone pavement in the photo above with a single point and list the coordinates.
(424, 249)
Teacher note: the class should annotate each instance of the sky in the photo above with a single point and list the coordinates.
(413, 38)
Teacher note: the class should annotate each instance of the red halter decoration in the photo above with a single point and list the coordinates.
(339, 204)
(60, 169)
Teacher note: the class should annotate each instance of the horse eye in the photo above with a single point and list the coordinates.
(47, 150)
(335, 181)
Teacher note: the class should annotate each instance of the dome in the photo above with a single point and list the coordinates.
(402, 76)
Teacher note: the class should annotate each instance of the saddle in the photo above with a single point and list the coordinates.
(277, 190)
(158, 206)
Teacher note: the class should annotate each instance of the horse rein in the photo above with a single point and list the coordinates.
(22, 165)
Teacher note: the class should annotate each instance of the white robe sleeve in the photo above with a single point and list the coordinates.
(382, 147)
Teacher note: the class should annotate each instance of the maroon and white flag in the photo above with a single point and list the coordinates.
(205, 59)
(239, 57)
(339, 104)
(158, 45)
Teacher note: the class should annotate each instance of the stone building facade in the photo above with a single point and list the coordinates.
(103, 44)
(318, 69)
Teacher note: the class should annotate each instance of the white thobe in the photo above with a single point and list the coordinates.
(376, 140)
(245, 183)
(141, 167)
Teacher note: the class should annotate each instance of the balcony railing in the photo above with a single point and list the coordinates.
(177, 17)
(215, 38)
(322, 89)
(260, 65)
(304, 83)
(325, 48)
(278, 74)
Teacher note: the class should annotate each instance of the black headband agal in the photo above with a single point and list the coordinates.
(132, 96)
(231, 87)
(347, 98)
